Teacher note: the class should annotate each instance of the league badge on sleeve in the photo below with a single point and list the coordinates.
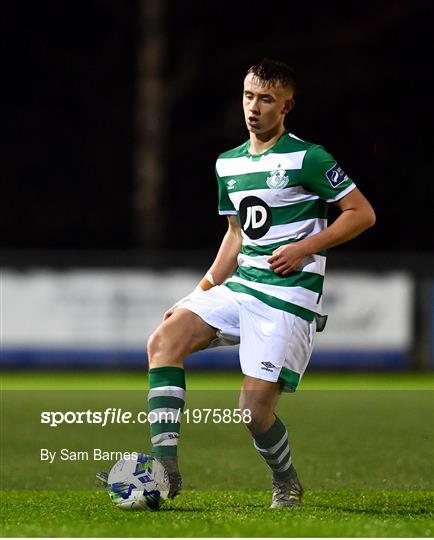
(336, 175)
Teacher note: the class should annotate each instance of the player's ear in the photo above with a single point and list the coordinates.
(289, 105)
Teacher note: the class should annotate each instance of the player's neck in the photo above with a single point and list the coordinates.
(262, 142)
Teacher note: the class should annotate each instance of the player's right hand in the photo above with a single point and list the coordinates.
(170, 312)
(179, 303)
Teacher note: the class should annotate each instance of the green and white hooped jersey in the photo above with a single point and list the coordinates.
(280, 196)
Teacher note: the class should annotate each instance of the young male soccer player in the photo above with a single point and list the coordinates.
(265, 285)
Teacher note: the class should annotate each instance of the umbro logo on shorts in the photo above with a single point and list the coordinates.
(268, 366)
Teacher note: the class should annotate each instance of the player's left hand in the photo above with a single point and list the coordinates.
(286, 259)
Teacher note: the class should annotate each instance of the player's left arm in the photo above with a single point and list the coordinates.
(356, 216)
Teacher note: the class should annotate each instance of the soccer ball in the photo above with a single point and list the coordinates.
(138, 483)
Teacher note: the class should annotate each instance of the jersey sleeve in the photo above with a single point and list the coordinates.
(225, 205)
(323, 176)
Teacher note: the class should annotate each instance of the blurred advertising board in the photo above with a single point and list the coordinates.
(97, 318)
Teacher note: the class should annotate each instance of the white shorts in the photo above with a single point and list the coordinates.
(274, 345)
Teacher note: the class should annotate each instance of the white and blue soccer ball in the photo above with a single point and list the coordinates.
(138, 483)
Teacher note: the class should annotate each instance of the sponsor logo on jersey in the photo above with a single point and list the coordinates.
(268, 366)
(255, 217)
(231, 183)
(336, 175)
(277, 178)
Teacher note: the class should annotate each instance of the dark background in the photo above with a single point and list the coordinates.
(70, 75)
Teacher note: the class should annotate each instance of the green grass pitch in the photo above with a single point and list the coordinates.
(363, 445)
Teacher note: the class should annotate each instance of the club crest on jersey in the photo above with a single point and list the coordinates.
(231, 183)
(277, 178)
(336, 175)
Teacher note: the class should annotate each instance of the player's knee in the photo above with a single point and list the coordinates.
(167, 347)
(154, 344)
(162, 349)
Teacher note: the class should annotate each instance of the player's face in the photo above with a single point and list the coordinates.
(265, 107)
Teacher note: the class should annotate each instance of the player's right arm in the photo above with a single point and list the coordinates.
(224, 264)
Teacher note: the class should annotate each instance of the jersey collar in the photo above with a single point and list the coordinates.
(257, 157)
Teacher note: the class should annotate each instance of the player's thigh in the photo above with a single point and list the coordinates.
(179, 335)
(219, 308)
(275, 345)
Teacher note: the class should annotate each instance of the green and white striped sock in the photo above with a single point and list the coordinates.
(166, 400)
(273, 445)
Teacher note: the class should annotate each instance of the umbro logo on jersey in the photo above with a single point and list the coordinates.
(231, 183)
(336, 175)
(268, 366)
(277, 178)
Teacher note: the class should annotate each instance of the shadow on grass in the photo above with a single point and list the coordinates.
(181, 509)
(372, 511)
